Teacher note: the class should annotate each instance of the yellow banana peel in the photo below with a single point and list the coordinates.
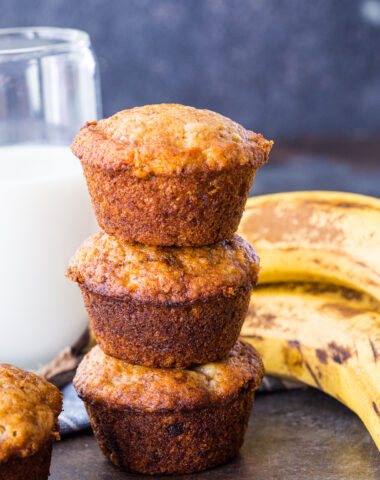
(316, 236)
(318, 331)
(325, 336)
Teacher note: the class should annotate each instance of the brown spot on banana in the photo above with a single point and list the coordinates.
(374, 351)
(268, 319)
(293, 357)
(351, 294)
(349, 205)
(376, 409)
(338, 353)
(294, 344)
(316, 381)
(344, 310)
(362, 206)
(256, 337)
(322, 355)
(258, 320)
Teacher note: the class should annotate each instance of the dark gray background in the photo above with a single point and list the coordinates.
(281, 67)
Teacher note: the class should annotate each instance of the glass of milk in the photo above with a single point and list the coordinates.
(49, 87)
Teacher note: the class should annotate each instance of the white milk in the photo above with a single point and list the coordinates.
(45, 214)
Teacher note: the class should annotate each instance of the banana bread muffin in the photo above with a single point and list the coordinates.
(164, 421)
(29, 409)
(165, 306)
(169, 174)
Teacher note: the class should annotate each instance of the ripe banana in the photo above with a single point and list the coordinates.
(327, 237)
(323, 335)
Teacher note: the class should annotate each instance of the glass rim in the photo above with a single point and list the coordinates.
(66, 38)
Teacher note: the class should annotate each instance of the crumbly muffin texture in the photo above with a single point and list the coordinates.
(105, 380)
(29, 407)
(164, 274)
(167, 335)
(168, 139)
(33, 467)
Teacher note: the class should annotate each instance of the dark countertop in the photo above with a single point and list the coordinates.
(298, 435)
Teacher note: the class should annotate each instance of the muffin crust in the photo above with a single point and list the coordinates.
(164, 335)
(29, 407)
(163, 275)
(34, 467)
(169, 174)
(105, 380)
(174, 442)
(160, 421)
(184, 210)
(169, 139)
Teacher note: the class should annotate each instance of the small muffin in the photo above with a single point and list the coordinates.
(165, 421)
(29, 409)
(169, 174)
(165, 306)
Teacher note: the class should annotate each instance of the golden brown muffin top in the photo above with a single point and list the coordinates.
(163, 274)
(29, 408)
(169, 139)
(102, 379)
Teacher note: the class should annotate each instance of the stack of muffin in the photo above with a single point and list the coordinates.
(167, 284)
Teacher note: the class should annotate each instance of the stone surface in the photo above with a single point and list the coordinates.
(299, 435)
(281, 67)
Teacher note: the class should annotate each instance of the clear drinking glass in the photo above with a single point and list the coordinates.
(49, 87)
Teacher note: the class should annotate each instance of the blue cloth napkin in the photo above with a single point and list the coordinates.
(74, 416)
